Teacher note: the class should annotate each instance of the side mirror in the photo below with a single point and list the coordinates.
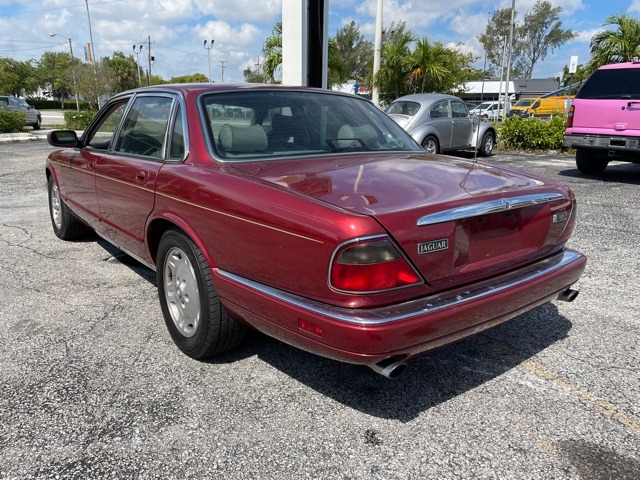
(63, 138)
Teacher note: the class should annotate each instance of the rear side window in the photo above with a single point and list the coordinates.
(621, 83)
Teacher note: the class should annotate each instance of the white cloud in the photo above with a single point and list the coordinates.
(262, 11)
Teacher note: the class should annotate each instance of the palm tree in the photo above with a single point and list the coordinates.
(619, 45)
(395, 66)
(272, 51)
(430, 66)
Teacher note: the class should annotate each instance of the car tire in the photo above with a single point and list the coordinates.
(587, 162)
(36, 126)
(65, 225)
(488, 142)
(198, 323)
(430, 145)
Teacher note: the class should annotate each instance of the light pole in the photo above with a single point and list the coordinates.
(73, 68)
(208, 48)
(137, 53)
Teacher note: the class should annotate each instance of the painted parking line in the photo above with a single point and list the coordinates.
(606, 408)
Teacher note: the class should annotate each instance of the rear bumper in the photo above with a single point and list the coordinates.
(367, 336)
(617, 145)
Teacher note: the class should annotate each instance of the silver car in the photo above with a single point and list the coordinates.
(15, 104)
(442, 123)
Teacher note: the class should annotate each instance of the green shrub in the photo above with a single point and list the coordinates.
(44, 104)
(78, 120)
(533, 133)
(11, 121)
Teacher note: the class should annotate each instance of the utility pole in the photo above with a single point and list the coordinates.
(222, 62)
(73, 68)
(208, 49)
(149, 61)
(258, 65)
(375, 94)
(506, 97)
(137, 53)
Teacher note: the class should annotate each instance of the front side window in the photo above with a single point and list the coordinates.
(459, 109)
(144, 129)
(274, 123)
(101, 135)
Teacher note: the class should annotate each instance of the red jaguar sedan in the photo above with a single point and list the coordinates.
(311, 216)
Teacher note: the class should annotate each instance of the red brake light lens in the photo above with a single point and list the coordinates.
(371, 266)
(572, 109)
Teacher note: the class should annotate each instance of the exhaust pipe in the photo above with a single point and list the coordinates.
(389, 368)
(569, 295)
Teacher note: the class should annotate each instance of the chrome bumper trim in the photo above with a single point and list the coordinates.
(412, 308)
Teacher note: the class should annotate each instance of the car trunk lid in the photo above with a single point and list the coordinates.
(455, 219)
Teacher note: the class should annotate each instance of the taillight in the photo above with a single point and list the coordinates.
(572, 109)
(371, 265)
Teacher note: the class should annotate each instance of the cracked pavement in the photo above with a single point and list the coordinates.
(93, 387)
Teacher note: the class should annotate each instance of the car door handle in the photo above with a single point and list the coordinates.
(141, 176)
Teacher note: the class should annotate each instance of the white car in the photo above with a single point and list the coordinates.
(488, 111)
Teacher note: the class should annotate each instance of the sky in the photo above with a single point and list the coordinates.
(178, 28)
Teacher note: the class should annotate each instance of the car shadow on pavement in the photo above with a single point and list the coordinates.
(616, 172)
(429, 380)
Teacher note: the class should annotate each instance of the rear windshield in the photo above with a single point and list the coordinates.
(249, 124)
(403, 108)
(620, 83)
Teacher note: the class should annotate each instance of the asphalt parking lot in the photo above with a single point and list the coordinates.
(93, 387)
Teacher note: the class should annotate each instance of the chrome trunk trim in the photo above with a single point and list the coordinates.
(486, 208)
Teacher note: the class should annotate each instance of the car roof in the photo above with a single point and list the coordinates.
(195, 89)
(614, 66)
(422, 97)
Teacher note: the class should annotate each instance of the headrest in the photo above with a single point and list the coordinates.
(366, 133)
(249, 139)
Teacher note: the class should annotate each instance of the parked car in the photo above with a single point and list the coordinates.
(604, 119)
(547, 106)
(314, 218)
(15, 104)
(442, 123)
(492, 110)
(521, 108)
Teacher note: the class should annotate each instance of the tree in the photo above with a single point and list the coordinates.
(496, 38)
(395, 66)
(272, 51)
(122, 72)
(619, 45)
(431, 70)
(255, 76)
(17, 78)
(541, 31)
(355, 51)
(194, 78)
(54, 72)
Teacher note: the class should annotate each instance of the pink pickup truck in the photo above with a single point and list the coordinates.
(604, 120)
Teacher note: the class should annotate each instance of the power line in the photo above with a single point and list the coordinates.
(55, 8)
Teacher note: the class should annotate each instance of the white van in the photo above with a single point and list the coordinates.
(488, 110)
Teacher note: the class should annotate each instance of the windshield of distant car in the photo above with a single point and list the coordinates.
(484, 106)
(249, 124)
(403, 108)
(523, 103)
